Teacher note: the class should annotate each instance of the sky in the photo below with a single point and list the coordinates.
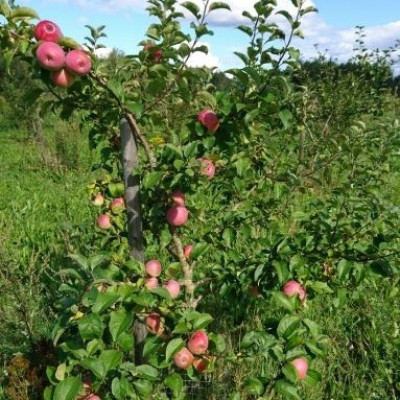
(331, 30)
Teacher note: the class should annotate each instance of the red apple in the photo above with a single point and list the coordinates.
(178, 198)
(177, 215)
(254, 291)
(292, 288)
(208, 168)
(183, 358)
(154, 324)
(98, 200)
(117, 205)
(187, 250)
(78, 62)
(201, 364)
(104, 221)
(301, 366)
(198, 343)
(157, 56)
(153, 268)
(51, 56)
(209, 119)
(62, 78)
(151, 283)
(48, 31)
(173, 287)
(157, 53)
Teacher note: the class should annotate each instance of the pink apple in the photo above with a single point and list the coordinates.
(173, 287)
(157, 56)
(198, 343)
(117, 205)
(209, 119)
(98, 200)
(183, 358)
(201, 364)
(208, 168)
(292, 288)
(153, 268)
(92, 397)
(187, 250)
(151, 283)
(178, 198)
(78, 62)
(51, 56)
(104, 221)
(62, 78)
(154, 324)
(301, 366)
(177, 215)
(48, 31)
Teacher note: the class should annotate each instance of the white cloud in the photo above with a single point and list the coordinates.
(199, 59)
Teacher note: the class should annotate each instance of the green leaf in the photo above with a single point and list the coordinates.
(90, 327)
(173, 347)
(218, 341)
(152, 178)
(290, 303)
(174, 382)
(146, 371)
(110, 359)
(104, 300)
(120, 321)
(126, 340)
(288, 326)
(152, 344)
(199, 249)
(313, 378)
(290, 372)
(219, 5)
(22, 13)
(343, 268)
(60, 372)
(202, 321)
(253, 386)
(192, 8)
(246, 29)
(95, 365)
(286, 389)
(68, 389)
(69, 42)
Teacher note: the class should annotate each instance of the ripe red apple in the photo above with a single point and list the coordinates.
(151, 283)
(51, 56)
(177, 215)
(254, 291)
(92, 397)
(98, 200)
(173, 287)
(209, 119)
(183, 358)
(301, 366)
(104, 221)
(78, 62)
(187, 250)
(48, 31)
(117, 205)
(292, 288)
(178, 198)
(198, 343)
(153, 268)
(208, 168)
(62, 78)
(157, 53)
(201, 364)
(154, 324)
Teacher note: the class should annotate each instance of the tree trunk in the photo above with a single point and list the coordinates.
(130, 162)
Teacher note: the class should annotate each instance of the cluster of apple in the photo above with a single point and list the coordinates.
(63, 66)
(157, 53)
(195, 351)
(104, 221)
(294, 288)
(178, 214)
(153, 271)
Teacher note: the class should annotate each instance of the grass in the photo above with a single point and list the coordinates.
(44, 215)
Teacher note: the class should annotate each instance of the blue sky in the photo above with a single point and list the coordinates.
(332, 28)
